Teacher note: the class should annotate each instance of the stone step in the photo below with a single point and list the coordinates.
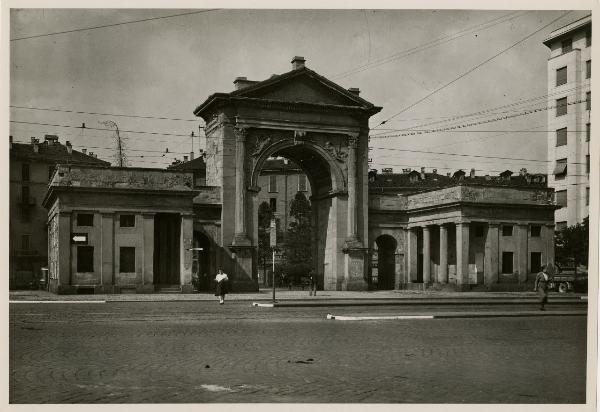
(168, 289)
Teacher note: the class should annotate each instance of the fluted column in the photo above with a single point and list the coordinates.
(462, 254)
(443, 272)
(240, 237)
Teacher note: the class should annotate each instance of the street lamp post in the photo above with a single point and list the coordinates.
(273, 242)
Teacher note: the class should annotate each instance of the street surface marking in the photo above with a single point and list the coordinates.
(215, 388)
(330, 316)
(263, 305)
(57, 301)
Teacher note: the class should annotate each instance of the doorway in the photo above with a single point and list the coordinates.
(167, 228)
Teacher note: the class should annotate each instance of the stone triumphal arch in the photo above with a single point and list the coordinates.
(323, 128)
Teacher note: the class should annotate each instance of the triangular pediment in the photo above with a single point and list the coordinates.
(305, 86)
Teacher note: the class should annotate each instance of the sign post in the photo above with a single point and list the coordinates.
(273, 243)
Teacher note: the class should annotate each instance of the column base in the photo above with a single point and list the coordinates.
(354, 278)
(240, 239)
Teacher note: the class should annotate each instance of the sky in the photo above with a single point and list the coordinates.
(164, 68)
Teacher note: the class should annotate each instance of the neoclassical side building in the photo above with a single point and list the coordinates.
(371, 231)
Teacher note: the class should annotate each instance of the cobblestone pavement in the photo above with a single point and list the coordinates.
(196, 352)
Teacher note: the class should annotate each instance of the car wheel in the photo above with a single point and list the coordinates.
(562, 288)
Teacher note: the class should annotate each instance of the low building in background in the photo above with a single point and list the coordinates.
(117, 230)
(425, 228)
(31, 168)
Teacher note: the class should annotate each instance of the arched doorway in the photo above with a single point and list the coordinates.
(386, 262)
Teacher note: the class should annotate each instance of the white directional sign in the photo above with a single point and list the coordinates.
(79, 238)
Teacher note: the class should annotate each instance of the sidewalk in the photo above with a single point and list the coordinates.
(334, 298)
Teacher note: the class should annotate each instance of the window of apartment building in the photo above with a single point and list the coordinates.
(536, 231)
(560, 226)
(25, 194)
(507, 230)
(127, 259)
(561, 137)
(85, 219)
(588, 101)
(567, 45)
(272, 183)
(561, 106)
(560, 169)
(561, 76)
(588, 69)
(478, 230)
(507, 262)
(561, 198)
(85, 259)
(588, 38)
(587, 196)
(588, 132)
(25, 172)
(127, 220)
(25, 242)
(273, 204)
(587, 163)
(536, 262)
(302, 183)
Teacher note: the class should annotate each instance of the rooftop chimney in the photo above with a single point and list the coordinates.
(422, 173)
(191, 155)
(185, 158)
(354, 90)
(472, 174)
(84, 151)
(51, 139)
(92, 154)
(69, 147)
(242, 82)
(435, 171)
(298, 63)
(36, 147)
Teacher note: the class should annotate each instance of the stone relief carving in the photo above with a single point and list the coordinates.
(337, 152)
(259, 145)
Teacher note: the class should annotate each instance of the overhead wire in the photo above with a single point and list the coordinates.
(473, 69)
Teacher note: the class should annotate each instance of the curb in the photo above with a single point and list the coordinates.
(458, 315)
(412, 302)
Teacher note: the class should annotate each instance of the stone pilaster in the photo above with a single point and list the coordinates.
(548, 237)
(491, 263)
(186, 242)
(148, 253)
(412, 261)
(64, 253)
(240, 237)
(107, 272)
(462, 255)
(443, 272)
(523, 252)
(352, 240)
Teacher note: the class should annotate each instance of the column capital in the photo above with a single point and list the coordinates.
(145, 214)
(240, 133)
(494, 225)
(353, 141)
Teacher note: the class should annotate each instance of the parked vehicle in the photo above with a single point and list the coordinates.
(569, 279)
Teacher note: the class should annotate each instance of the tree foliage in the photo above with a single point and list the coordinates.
(571, 244)
(298, 244)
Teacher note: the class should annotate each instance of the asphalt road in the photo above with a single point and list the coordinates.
(197, 352)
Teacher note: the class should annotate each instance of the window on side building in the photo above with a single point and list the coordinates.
(127, 220)
(561, 106)
(588, 69)
(560, 226)
(25, 172)
(85, 219)
(507, 262)
(560, 169)
(536, 262)
(273, 204)
(536, 231)
(561, 198)
(302, 183)
(85, 259)
(587, 196)
(507, 230)
(561, 137)
(566, 45)
(272, 183)
(588, 101)
(588, 38)
(127, 259)
(588, 132)
(561, 76)
(587, 164)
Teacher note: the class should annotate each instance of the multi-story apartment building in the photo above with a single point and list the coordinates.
(31, 168)
(569, 119)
